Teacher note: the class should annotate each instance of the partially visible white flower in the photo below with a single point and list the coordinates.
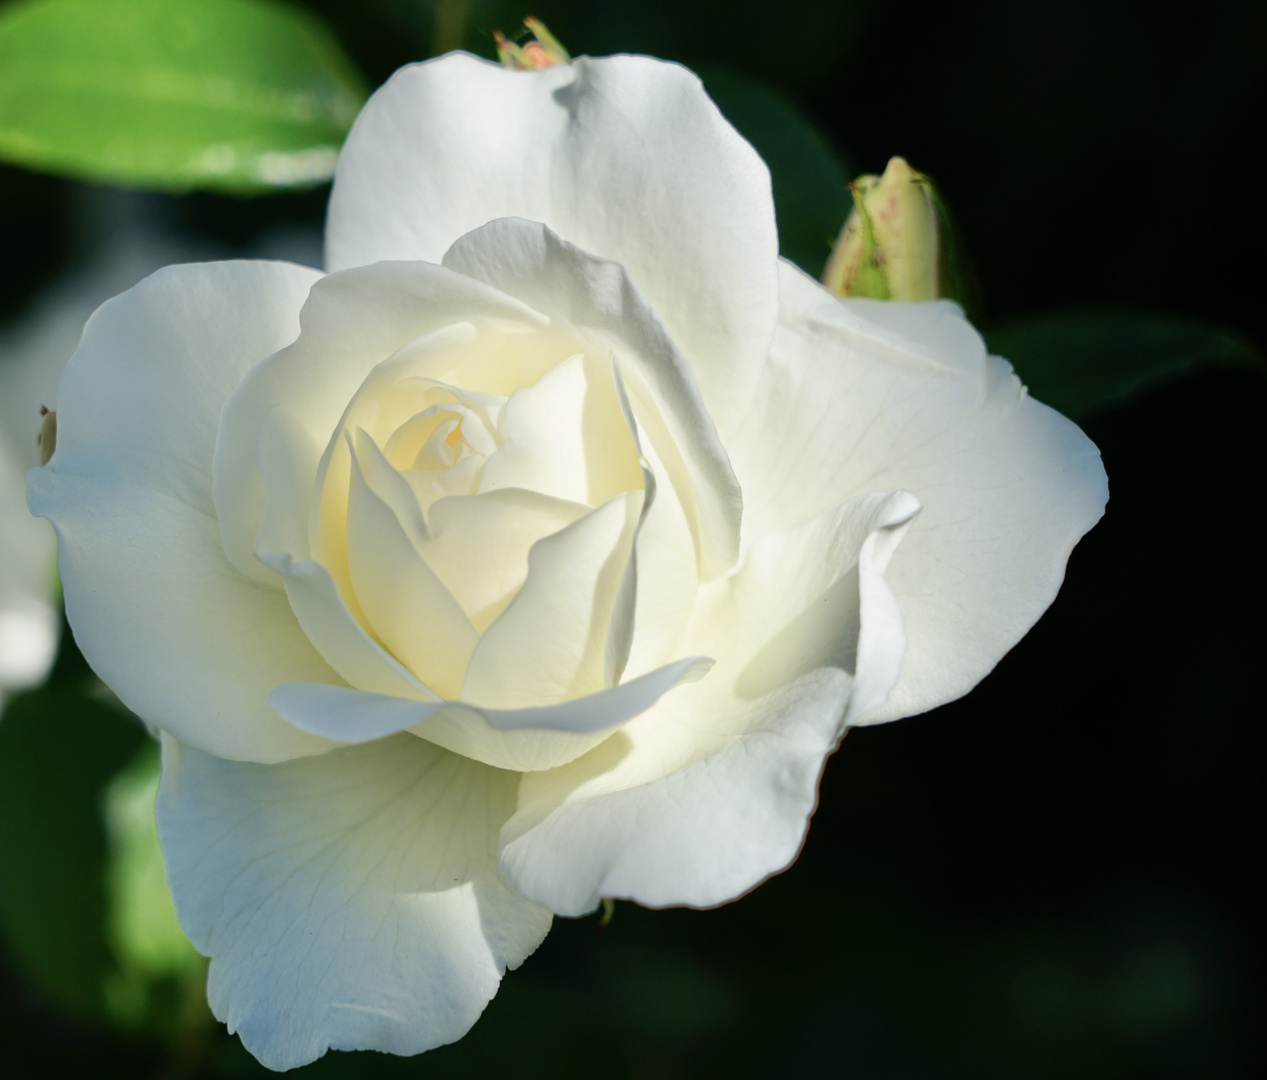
(30, 623)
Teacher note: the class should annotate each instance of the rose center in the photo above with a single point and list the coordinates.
(455, 459)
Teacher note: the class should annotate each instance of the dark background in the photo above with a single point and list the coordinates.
(1053, 876)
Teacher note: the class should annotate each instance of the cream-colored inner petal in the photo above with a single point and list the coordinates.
(407, 607)
(472, 537)
(566, 436)
(550, 643)
(479, 544)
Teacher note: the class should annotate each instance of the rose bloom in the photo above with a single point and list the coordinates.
(538, 552)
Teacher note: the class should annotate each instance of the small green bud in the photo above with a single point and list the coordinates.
(893, 245)
(543, 51)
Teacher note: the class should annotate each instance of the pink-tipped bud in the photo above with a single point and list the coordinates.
(543, 51)
(893, 244)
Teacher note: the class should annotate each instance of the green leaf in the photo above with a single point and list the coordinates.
(811, 199)
(58, 751)
(1085, 363)
(240, 96)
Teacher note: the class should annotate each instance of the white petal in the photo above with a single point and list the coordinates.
(597, 298)
(625, 157)
(710, 790)
(350, 323)
(904, 396)
(140, 400)
(183, 639)
(479, 544)
(334, 631)
(390, 486)
(550, 644)
(408, 607)
(565, 437)
(349, 902)
(523, 740)
(156, 608)
(37, 345)
(668, 576)
(286, 453)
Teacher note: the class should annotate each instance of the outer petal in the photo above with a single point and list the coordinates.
(625, 157)
(904, 396)
(597, 298)
(348, 902)
(141, 397)
(157, 609)
(710, 790)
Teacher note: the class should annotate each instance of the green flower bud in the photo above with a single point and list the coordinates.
(543, 51)
(894, 244)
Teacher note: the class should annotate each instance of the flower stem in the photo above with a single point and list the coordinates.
(450, 26)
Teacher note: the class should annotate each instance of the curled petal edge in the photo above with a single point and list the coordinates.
(522, 740)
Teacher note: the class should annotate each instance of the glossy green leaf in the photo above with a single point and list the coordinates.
(58, 751)
(242, 96)
(1085, 363)
(811, 200)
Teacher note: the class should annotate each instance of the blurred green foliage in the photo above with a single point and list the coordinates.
(1083, 363)
(241, 96)
(58, 752)
(84, 906)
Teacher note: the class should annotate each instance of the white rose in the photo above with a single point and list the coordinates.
(587, 523)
